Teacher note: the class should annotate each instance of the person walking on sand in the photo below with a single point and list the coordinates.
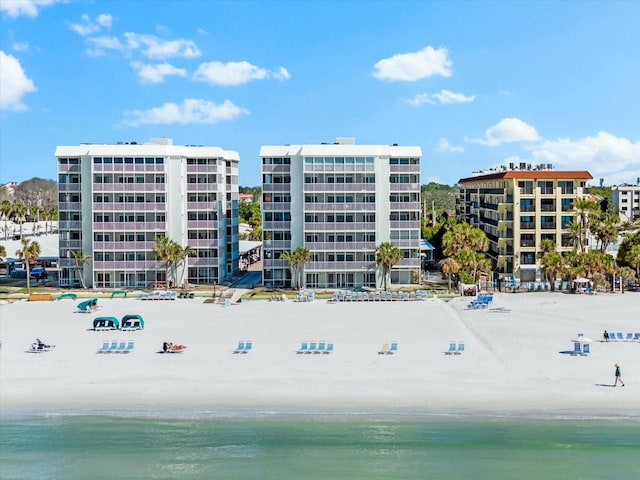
(618, 377)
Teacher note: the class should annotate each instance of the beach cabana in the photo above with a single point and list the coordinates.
(132, 321)
(88, 305)
(581, 345)
(106, 323)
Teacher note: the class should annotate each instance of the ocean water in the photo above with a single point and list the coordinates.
(329, 447)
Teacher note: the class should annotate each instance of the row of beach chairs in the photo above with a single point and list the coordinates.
(244, 347)
(305, 296)
(349, 296)
(483, 300)
(117, 347)
(157, 295)
(388, 348)
(455, 349)
(620, 337)
(315, 348)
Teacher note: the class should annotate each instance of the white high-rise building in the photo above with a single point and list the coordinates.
(340, 201)
(115, 200)
(626, 199)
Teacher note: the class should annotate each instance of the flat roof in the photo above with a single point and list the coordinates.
(324, 150)
(530, 174)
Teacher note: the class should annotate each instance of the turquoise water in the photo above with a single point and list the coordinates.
(105, 447)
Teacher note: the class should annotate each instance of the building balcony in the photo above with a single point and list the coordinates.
(70, 206)
(276, 206)
(203, 242)
(276, 187)
(353, 266)
(69, 225)
(405, 224)
(286, 244)
(202, 169)
(547, 208)
(340, 246)
(339, 207)
(67, 168)
(339, 227)
(527, 243)
(132, 265)
(122, 246)
(129, 187)
(206, 224)
(69, 187)
(128, 207)
(404, 187)
(128, 226)
(207, 206)
(339, 187)
(404, 206)
(527, 225)
(276, 168)
(273, 225)
(527, 208)
(70, 244)
(548, 225)
(405, 168)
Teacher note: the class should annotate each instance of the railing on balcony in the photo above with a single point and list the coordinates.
(527, 225)
(527, 243)
(547, 208)
(122, 245)
(548, 225)
(527, 208)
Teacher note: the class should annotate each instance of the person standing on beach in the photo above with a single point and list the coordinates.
(618, 377)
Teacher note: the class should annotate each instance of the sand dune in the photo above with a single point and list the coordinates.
(512, 363)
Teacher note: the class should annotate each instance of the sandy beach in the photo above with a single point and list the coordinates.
(512, 364)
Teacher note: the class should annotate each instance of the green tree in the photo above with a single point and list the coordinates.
(30, 252)
(296, 260)
(185, 252)
(167, 251)
(5, 209)
(629, 252)
(19, 213)
(80, 259)
(3, 251)
(449, 267)
(387, 255)
(585, 209)
(551, 261)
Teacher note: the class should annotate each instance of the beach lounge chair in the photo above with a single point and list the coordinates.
(636, 337)
(304, 346)
(113, 348)
(384, 349)
(620, 336)
(460, 349)
(393, 349)
(104, 348)
(585, 349)
(329, 348)
(247, 347)
(629, 337)
(577, 348)
(121, 348)
(321, 347)
(239, 348)
(452, 349)
(312, 347)
(129, 347)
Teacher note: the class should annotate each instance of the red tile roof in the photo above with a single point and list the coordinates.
(531, 174)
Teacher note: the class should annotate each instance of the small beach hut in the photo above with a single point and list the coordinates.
(132, 321)
(106, 323)
(579, 344)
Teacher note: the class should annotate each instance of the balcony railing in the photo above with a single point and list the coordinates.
(548, 225)
(527, 208)
(527, 225)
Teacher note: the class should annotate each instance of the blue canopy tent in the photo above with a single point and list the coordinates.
(132, 321)
(106, 323)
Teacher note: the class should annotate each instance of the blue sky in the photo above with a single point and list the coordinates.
(475, 84)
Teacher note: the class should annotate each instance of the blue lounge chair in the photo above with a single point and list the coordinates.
(577, 348)
(329, 348)
(239, 348)
(620, 336)
(384, 349)
(452, 349)
(247, 347)
(393, 349)
(460, 349)
(129, 347)
(304, 347)
(629, 337)
(321, 347)
(113, 348)
(121, 348)
(636, 337)
(104, 348)
(312, 347)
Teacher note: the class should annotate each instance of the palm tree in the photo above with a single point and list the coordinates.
(3, 251)
(584, 208)
(449, 267)
(626, 274)
(35, 218)
(184, 253)
(79, 261)
(296, 260)
(387, 255)
(30, 252)
(551, 262)
(19, 212)
(5, 210)
(167, 251)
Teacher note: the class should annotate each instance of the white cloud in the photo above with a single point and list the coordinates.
(87, 27)
(443, 146)
(192, 110)
(28, 8)
(508, 130)
(15, 83)
(156, 73)
(235, 73)
(410, 67)
(444, 97)
(104, 43)
(21, 46)
(156, 48)
(601, 154)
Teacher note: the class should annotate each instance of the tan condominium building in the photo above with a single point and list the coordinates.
(116, 200)
(518, 207)
(340, 201)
